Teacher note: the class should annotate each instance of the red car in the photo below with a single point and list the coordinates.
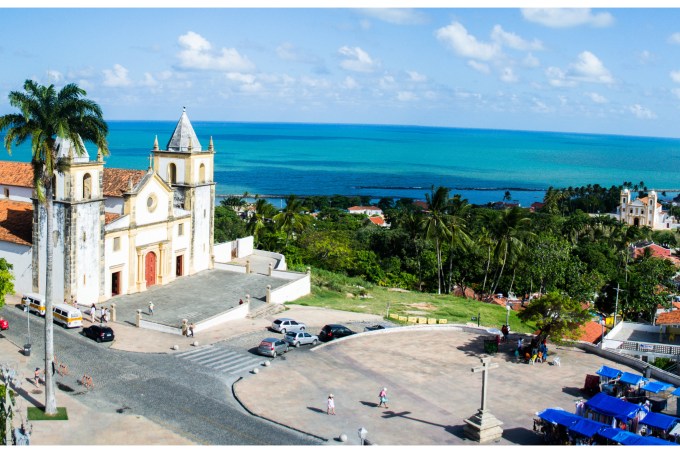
(4, 325)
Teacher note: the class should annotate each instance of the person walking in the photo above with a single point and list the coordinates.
(191, 330)
(36, 377)
(330, 410)
(150, 308)
(184, 329)
(93, 311)
(102, 315)
(383, 397)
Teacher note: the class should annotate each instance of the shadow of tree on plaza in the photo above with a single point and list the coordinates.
(521, 436)
(474, 347)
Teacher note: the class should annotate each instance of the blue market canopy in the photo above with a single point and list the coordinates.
(657, 420)
(614, 407)
(559, 416)
(656, 387)
(628, 438)
(607, 372)
(632, 379)
(676, 392)
(587, 428)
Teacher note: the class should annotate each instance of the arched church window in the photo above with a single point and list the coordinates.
(201, 173)
(172, 174)
(87, 186)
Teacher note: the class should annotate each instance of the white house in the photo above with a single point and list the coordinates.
(368, 210)
(116, 231)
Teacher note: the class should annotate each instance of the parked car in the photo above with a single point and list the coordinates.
(331, 331)
(4, 325)
(99, 333)
(296, 338)
(374, 327)
(272, 347)
(283, 325)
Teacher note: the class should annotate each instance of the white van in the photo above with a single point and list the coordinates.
(67, 316)
(35, 303)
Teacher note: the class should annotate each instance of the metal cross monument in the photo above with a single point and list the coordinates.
(484, 369)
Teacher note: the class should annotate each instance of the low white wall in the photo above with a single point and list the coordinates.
(222, 252)
(239, 312)
(21, 259)
(280, 259)
(245, 246)
(292, 291)
(230, 267)
(144, 324)
(288, 275)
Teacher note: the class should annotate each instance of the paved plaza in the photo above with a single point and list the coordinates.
(195, 298)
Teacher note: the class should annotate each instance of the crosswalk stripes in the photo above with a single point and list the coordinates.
(222, 360)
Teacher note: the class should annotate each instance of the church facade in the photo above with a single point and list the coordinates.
(645, 211)
(116, 231)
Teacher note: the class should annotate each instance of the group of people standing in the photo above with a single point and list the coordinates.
(382, 397)
(536, 351)
(104, 314)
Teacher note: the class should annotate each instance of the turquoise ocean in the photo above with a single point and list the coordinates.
(278, 159)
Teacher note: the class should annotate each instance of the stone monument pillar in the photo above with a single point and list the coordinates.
(483, 426)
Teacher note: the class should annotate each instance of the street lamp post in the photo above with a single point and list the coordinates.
(362, 435)
(507, 315)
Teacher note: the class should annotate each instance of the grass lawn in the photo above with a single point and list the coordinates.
(454, 309)
(38, 413)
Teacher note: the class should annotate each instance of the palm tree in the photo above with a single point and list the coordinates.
(45, 116)
(292, 219)
(509, 231)
(264, 212)
(435, 225)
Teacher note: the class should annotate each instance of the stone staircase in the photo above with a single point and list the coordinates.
(265, 310)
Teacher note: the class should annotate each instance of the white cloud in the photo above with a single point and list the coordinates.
(674, 38)
(116, 77)
(357, 60)
(567, 17)
(641, 112)
(645, 57)
(240, 77)
(466, 45)
(589, 68)
(557, 77)
(540, 106)
(514, 41)
(350, 83)
(406, 96)
(530, 61)
(54, 76)
(398, 16)
(149, 80)
(477, 66)
(387, 83)
(315, 83)
(196, 54)
(675, 76)
(416, 77)
(508, 75)
(597, 98)
(676, 92)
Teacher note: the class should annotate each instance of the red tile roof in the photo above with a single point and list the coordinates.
(110, 217)
(16, 222)
(591, 332)
(364, 208)
(669, 318)
(115, 182)
(16, 174)
(377, 220)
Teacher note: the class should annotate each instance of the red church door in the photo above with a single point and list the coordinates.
(150, 269)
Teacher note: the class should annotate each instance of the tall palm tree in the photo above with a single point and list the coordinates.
(264, 212)
(292, 219)
(45, 116)
(509, 230)
(435, 225)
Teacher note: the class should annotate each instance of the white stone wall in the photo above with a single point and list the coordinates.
(116, 261)
(202, 212)
(20, 257)
(57, 254)
(114, 205)
(151, 235)
(16, 193)
(181, 245)
(160, 212)
(207, 162)
(292, 291)
(87, 253)
(162, 170)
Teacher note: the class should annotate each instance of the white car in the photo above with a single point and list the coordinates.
(283, 325)
(296, 338)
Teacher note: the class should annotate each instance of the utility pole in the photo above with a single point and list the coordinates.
(616, 307)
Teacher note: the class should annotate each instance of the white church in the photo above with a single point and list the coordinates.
(116, 231)
(645, 211)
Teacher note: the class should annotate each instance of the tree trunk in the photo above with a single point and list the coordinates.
(486, 272)
(505, 257)
(50, 397)
(439, 267)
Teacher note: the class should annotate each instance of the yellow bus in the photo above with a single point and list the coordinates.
(35, 303)
(67, 316)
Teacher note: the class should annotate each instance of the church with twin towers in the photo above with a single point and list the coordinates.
(116, 231)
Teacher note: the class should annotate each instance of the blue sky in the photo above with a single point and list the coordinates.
(609, 70)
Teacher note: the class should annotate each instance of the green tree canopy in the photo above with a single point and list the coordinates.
(556, 316)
